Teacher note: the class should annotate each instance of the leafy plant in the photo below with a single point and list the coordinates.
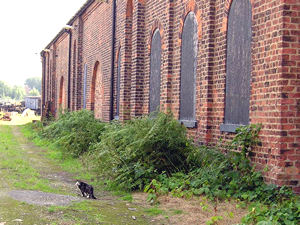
(154, 154)
(246, 137)
(136, 152)
(75, 131)
(214, 220)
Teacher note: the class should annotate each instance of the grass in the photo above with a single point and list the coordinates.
(127, 197)
(84, 207)
(176, 211)
(154, 211)
(20, 120)
(18, 171)
(14, 166)
(67, 163)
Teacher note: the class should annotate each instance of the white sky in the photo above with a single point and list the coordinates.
(26, 27)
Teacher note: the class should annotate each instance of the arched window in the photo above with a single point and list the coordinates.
(155, 70)
(93, 86)
(238, 65)
(189, 50)
(84, 85)
(50, 81)
(61, 92)
(118, 85)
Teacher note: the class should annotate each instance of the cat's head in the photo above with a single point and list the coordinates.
(78, 183)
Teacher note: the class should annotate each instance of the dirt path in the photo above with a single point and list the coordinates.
(49, 196)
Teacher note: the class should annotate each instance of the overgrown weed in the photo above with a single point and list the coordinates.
(154, 154)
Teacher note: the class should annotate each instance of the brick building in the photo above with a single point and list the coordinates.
(216, 64)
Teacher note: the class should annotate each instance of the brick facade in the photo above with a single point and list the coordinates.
(274, 89)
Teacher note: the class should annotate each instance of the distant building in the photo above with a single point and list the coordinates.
(33, 102)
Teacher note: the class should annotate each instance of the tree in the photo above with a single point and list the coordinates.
(34, 92)
(15, 92)
(34, 82)
(5, 90)
(18, 93)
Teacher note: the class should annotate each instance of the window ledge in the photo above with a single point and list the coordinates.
(189, 123)
(231, 128)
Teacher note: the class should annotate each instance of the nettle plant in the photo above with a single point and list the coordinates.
(246, 138)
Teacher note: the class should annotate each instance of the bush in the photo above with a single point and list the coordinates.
(139, 150)
(154, 153)
(75, 131)
(220, 176)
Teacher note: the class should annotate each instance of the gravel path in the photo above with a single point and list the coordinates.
(42, 198)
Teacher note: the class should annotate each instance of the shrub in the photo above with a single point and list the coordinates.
(220, 176)
(75, 131)
(136, 152)
(154, 153)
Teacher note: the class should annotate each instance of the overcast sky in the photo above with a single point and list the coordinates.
(26, 27)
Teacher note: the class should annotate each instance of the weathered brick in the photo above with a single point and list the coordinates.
(275, 88)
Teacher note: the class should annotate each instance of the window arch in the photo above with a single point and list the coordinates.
(84, 85)
(155, 71)
(118, 85)
(93, 86)
(238, 65)
(189, 51)
(61, 92)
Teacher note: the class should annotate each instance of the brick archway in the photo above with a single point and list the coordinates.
(61, 90)
(93, 86)
(61, 98)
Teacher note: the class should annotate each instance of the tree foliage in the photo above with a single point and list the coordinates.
(34, 92)
(15, 92)
(34, 82)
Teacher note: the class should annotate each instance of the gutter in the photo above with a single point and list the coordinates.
(113, 59)
(69, 68)
(44, 81)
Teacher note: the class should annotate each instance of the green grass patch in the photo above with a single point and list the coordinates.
(55, 153)
(16, 168)
(176, 211)
(154, 211)
(127, 197)
(97, 212)
(18, 172)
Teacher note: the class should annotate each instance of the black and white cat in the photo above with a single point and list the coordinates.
(86, 189)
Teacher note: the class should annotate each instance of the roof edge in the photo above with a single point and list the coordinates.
(71, 21)
(80, 11)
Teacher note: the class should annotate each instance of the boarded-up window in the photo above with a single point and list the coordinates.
(155, 69)
(238, 65)
(189, 50)
(118, 85)
(84, 85)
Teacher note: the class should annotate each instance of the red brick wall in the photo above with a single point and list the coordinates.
(290, 95)
(265, 96)
(123, 46)
(275, 86)
(97, 32)
(62, 60)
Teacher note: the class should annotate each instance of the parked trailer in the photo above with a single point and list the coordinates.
(33, 103)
